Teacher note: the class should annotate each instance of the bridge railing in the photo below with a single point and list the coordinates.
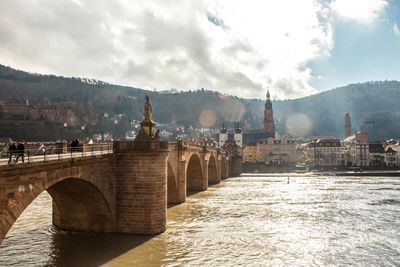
(43, 154)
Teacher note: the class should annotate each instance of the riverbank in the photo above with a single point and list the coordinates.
(390, 173)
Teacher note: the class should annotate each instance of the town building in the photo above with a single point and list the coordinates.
(360, 154)
(358, 147)
(54, 112)
(377, 155)
(395, 146)
(345, 156)
(16, 107)
(390, 157)
(277, 152)
(250, 153)
(359, 137)
(324, 153)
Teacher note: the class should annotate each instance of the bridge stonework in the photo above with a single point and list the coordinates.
(124, 192)
(83, 191)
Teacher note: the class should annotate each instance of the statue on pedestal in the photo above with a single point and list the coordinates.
(147, 110)
(147, 126)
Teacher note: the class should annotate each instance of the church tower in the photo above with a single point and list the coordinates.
(347, 125)
(269, 125)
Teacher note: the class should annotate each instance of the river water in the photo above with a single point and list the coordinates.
(251, 221)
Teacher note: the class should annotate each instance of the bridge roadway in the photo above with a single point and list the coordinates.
(123, 191)
(60, 156)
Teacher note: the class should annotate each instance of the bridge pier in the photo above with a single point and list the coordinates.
(218, 167)
(204, 184)
(181, 181)
(235, 168)
(141, 186)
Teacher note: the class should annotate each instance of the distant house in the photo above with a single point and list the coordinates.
(376, 155)
(325, 152)
(358, 146)
(390, 157)
(250, 153)
(17, 107)
(278, 152)
(54, 112)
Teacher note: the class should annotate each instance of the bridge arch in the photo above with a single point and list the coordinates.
(212, 170)
(79, 202)
(194, 174)
(172, 185)
(224, 169)
(79, 205)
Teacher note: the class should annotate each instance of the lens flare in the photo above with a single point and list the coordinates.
(232, 110)
(207, 118)
(298, 125)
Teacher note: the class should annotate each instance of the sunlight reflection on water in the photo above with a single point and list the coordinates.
(248, 220)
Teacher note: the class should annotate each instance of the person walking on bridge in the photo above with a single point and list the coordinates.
(11, 150)
(20, 151)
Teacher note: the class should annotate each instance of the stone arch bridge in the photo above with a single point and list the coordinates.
(123, 192)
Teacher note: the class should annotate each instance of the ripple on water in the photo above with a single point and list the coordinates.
(242, 221)
(385, 202)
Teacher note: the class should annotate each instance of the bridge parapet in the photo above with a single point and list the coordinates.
(186, 145)
(123, 146)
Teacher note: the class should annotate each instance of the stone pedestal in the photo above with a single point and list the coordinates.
(148, 128)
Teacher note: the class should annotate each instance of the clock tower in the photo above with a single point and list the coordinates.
(269, 125)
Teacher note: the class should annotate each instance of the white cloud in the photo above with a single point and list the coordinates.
(396, 29)
(360, 10)
(237, 47)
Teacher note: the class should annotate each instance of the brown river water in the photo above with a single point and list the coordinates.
(248, 221)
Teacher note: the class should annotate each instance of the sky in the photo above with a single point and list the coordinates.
(237, 47)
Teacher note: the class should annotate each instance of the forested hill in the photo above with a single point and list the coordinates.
(376, 102)
(373, 101)
(184, 108)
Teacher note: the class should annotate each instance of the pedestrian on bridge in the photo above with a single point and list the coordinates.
(20, 151)
(11, 150)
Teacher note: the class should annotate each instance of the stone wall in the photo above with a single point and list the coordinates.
(267, 168)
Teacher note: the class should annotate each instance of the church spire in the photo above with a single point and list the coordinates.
(347, 125)
(268, 104)
(269, 125)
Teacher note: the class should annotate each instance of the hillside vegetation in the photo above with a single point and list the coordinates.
(373, 101)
